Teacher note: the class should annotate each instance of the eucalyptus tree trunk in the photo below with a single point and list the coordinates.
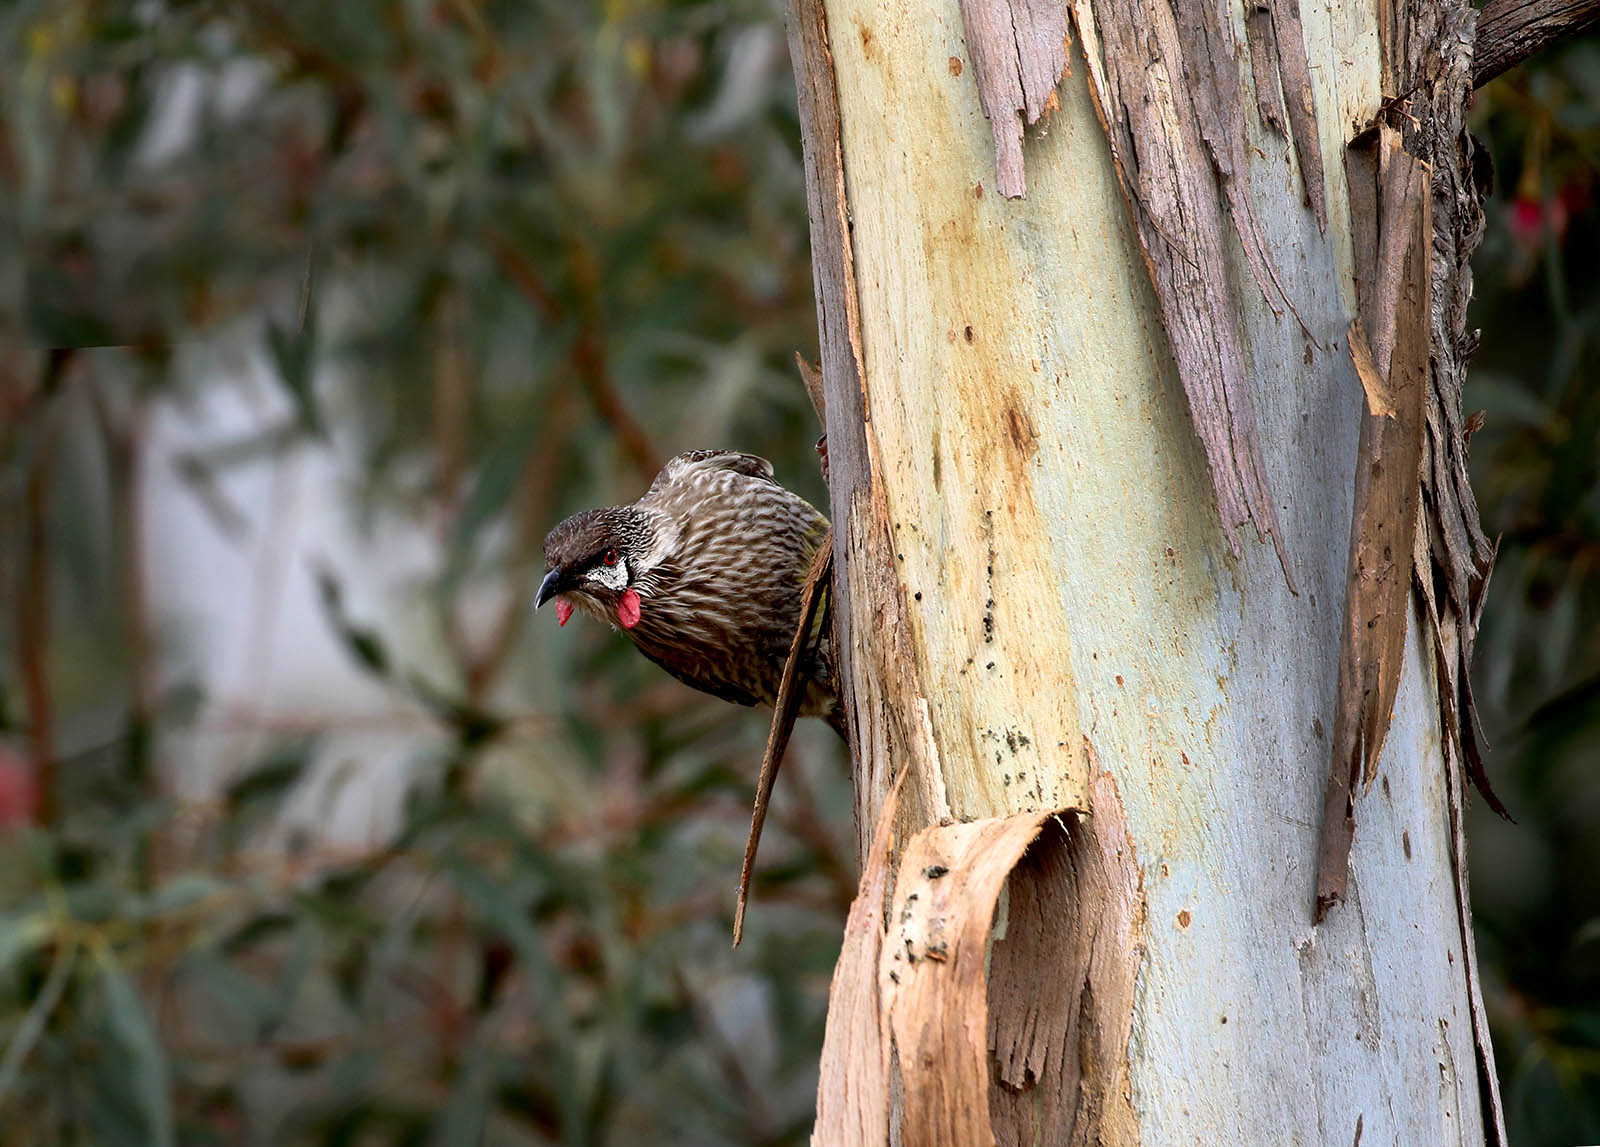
(1122, 621)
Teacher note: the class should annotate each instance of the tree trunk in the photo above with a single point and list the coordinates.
(1085, 709)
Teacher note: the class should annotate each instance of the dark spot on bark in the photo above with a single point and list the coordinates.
(1386, 793)
(990, 665)
(1021, 431)
(969, 334)
(1405, 843)
(934, 871)
(918, 595)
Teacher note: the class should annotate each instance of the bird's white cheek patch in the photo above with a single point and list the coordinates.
(563, 610)
(613, 578)
(628, 609)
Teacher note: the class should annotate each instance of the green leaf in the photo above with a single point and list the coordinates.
(294, 354)
(364, 644)
(20, 933)
(151, 1080)
(462, 1120)
(181, 893)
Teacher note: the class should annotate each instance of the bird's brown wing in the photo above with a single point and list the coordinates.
(739, 463)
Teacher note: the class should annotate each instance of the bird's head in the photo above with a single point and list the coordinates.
(594, 561)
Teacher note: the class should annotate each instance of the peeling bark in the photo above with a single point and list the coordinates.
(1295, 71)
(1394, 280)
(785, 709)
(1019, 53)
(853, 1082)
(1264, 66)
(1075, 906)
(1166, 82)
(1047, 1000)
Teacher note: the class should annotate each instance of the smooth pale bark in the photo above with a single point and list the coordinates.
(1061, 584)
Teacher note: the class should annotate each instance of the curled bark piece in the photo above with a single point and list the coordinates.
(1060, 1040)
(1019, 54)
(1045, 985)
(931, 972)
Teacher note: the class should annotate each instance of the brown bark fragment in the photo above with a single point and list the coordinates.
(785, 710)
(1297, 92)
(1427, 79)
(1166, 83)
(1019, 54)
(931, 973)
(1035, 1045)
(1264, 65)
(853, 1087)
(1060, 1037)
(812, 377)
(1393, 368)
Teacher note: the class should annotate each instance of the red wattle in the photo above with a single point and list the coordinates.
(628, 608)
(563, 610)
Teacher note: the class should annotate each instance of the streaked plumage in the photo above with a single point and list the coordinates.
(717, 553)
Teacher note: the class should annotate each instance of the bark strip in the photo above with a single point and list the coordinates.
(1394, 284)
(785, 710)
(1166, 83)
(1019, 54)
(1264, 66)
(884, 711)
(1295, 70)
(931, 973)
(853, 1083)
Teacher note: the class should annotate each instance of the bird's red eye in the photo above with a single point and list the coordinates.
(610, 558)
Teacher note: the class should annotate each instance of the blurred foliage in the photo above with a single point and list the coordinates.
(509, 255)
(1536, 470)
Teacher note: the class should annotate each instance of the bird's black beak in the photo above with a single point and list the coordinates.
(549, 587)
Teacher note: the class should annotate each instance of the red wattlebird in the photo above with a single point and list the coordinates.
(704, 574)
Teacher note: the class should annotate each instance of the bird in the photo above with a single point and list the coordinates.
(704, 573)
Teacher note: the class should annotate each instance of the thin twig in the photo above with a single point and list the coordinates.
(535, 493)
(588, 353)
(32, 1025)
(786, 707)
(33, 609)
(727, 1056)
